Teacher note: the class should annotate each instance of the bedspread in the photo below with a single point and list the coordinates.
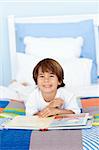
(86, 139)
(77, 139)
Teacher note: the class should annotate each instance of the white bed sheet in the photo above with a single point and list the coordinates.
(15, 91)
(86, 91)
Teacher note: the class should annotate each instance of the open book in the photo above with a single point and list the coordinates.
(57, 122)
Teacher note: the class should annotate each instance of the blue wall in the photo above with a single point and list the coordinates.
(35, 8)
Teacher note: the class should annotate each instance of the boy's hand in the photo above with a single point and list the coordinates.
(52, 108)
(56, 103)
(48, 111)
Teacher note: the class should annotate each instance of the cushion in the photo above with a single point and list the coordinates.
(77, 72)
(67, 47)
(25, 65)
(79, 76)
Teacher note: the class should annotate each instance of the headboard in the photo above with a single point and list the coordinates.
(85, 26)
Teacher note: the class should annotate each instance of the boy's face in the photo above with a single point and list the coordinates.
(47, 82)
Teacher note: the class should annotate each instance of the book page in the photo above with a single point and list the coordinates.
(70, 120)
(29, 122)
(35, 122)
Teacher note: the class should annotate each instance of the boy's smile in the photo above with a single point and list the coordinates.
(48, 83)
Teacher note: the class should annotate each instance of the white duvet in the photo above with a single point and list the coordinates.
(16, 91)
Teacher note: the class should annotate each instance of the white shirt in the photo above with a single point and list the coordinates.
(36, 102)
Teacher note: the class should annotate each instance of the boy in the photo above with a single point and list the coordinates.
(50, 97)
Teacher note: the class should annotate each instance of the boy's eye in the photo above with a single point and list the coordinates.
(51, 75)
(41, 76)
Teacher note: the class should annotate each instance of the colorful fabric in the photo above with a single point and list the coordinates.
(28, 139)
(90, 138)
(12, 107)
(89, 102)
(87, 139)
(3, 104)
(14, 139)
(14, 110)
(96, 120)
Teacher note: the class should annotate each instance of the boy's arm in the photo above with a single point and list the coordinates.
(50, 111)
(55, 108)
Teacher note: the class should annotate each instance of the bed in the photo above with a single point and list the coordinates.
(75, 40)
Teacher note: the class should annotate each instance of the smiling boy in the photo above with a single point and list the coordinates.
(50, 97)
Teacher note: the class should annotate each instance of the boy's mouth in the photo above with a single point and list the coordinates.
(47, 86)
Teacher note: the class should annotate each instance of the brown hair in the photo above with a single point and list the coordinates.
(47, 65)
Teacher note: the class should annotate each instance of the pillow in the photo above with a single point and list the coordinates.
(77, 71)
(56, 30)
(67, 47)
(25, 65)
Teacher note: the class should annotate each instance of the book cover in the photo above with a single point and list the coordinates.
(55, 122)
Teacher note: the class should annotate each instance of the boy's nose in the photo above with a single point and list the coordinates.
(46, 78)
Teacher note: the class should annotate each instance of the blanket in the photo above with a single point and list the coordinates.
(84, 139)
(62, 140)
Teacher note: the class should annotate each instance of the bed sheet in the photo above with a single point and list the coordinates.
(86, 91)
(16, 91)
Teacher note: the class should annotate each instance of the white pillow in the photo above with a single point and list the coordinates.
(67, 47)
(77, 71)
(25, 65)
